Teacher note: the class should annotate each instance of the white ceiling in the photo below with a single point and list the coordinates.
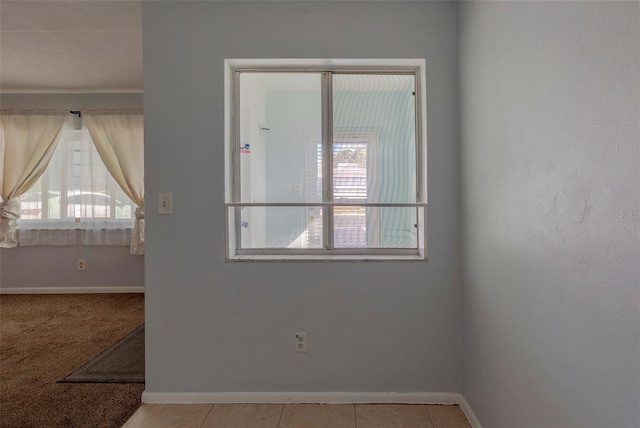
(70, 46)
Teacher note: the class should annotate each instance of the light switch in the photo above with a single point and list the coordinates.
(165, 203)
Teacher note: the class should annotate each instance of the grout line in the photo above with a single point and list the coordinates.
(208, 413)
(281, 413)
(433, 424)
(355, 415)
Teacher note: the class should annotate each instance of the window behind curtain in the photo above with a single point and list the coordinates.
(76, 191)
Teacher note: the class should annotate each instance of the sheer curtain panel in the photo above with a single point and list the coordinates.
(75, 192)
(119, 139)
(27, 142)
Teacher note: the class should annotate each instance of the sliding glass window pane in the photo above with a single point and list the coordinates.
(375, 227)
(280, 121)
(374, 138)
(281, 227)
(349, 227)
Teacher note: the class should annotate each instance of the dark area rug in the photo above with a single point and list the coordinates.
(123, 362)
(44, 337)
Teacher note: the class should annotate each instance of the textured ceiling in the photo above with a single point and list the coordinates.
(70, 46)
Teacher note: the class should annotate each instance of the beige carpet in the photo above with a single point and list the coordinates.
(43, 338)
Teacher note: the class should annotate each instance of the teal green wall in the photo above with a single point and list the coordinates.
(390, 114)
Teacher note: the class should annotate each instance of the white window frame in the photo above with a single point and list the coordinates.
(233, 69)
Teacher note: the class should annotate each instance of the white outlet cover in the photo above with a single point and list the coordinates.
(301, 341)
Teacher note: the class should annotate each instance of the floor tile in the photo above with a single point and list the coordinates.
(169, 416)
(448, 417)
(392, 416)
(244, 416)
(318, 416)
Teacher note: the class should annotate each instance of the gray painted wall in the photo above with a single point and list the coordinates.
(550, 108)
(26, 267)
(215, 326)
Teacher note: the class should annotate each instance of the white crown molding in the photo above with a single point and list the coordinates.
(70, 290)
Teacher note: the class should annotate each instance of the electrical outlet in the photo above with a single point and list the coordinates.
(301, 341)
(81, 264)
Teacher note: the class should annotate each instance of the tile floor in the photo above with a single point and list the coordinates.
(297, 416)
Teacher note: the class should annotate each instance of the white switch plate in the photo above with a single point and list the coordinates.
(165, 203)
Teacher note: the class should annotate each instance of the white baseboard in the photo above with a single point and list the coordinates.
(70, 290)
(303, 397)
(466, 408)
(313, 397)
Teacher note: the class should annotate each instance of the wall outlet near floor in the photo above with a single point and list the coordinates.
(301, 341)
(81, 264)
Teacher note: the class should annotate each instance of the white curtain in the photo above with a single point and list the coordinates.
(101, 237)
(47, 238)
(27, 142)
(119, 139)
(75, 192)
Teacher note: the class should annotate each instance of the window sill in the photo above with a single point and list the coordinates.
(327, 258)
(42, 237)
(80, 229)
(99, 224)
